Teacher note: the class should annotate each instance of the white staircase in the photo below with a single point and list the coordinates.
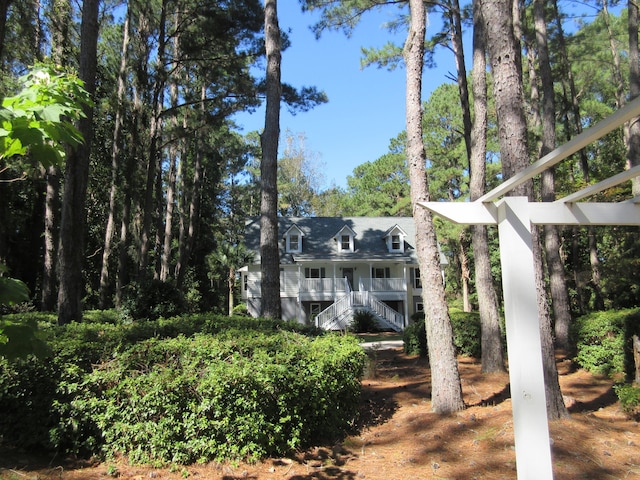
(339, 315)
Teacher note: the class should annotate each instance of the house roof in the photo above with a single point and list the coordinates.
(320, 238)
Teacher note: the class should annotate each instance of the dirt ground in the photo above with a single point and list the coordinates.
(399, 438)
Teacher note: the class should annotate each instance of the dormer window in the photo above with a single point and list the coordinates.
(394, 238)
(293, 240)
(345, 242)
(395, 242)
(345, 239)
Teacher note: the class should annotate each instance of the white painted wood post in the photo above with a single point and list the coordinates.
(530, 425)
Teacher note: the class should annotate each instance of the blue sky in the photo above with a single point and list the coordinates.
(366, 108)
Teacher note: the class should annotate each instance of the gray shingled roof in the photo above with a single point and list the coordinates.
(319, 238)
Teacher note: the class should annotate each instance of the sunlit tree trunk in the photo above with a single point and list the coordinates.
(76, 176)
(269, 253)
(172, 174)
(512, 134)
(492, 348)
(446, 392)
(555, 266)
(154, 153)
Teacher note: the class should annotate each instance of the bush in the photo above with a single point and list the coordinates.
(603, 340)
(414, 339)
(154, 299)
(629, 396)
(466, 335)
(243, 389)
(363, 322)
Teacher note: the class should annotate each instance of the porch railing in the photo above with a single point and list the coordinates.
(337, 314)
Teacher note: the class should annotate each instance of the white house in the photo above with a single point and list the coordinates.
(331, 267)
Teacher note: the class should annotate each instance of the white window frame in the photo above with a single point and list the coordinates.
(417, 280)
(345, 243)
(292, 247)
(396, 243)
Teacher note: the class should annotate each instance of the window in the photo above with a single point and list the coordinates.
(314, 272)
(345, 239)
(245, 282)
(380, 272)
(419, 307)
(395, 242)
(294, 243)
(345, 242)
(293, 240)
(417, 282)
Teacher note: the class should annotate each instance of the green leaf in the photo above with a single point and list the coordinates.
(12, 291)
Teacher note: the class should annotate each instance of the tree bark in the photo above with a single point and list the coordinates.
(269, 252)
(555, 266)
(446, 392)
(633, 150)
(492, 348)
(512, 134)
(115, 168)
(153, 163)
(76, 176)
(172, 174)
(60, 45)
(187, 235)
(51, 239)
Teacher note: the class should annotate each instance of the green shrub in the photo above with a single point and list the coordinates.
(161, 391)
(603, 340)
(414, 339)
(363, 322)
(466, 335)
(629, 396)
(154, 299)
(467, 332)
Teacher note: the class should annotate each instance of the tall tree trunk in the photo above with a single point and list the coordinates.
(76, 176)
(60, 45)
(187, 232)
(153, 164)
(4, 11)
(115, 167)
(492, 348)
(555, 266)
(51, 239)
(446, 392)
(633, 150)
(512, 134)
(269, 253)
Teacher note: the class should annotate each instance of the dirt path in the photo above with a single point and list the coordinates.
(399, 438)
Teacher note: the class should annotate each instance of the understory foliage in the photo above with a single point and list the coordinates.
(604, 341)
(182, 390)
(466, 335)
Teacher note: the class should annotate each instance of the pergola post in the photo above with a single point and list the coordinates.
(514, 217)
(524, 350)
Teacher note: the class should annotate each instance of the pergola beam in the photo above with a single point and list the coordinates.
(626, 113)
(556, 213)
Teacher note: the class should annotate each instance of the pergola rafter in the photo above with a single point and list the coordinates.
(514, 217)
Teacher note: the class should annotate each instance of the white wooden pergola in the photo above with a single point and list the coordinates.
(514, 217)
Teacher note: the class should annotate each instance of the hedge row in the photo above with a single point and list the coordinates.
(466, 335)
(240, 392)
